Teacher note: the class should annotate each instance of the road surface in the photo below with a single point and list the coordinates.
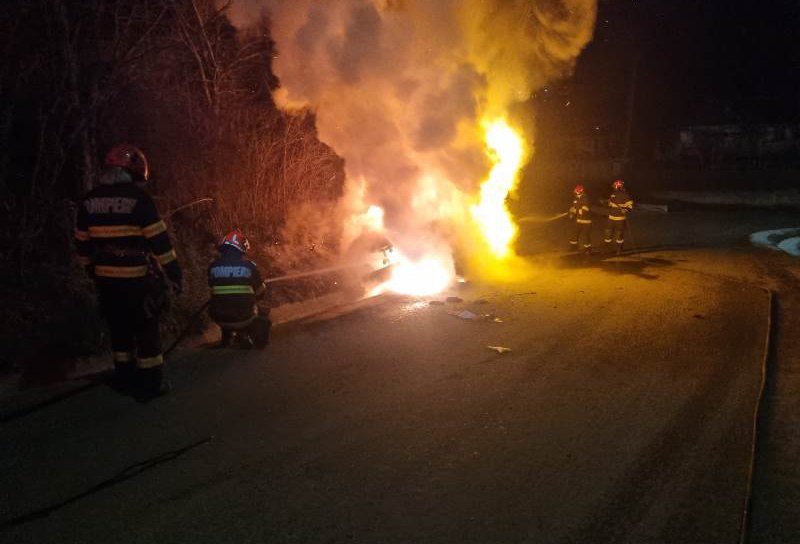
(623, 413)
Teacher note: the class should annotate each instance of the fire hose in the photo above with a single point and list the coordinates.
(100, 377)
(541, 219)
(187, 328)
(196, 314)
(189, 205)
(311, 273)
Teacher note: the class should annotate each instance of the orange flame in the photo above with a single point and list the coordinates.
(491, 214)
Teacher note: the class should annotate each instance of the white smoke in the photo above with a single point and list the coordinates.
(400, 88)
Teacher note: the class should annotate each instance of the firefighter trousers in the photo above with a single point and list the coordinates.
(615, 231)
(131, 308)
(255, 334)
(581, 234)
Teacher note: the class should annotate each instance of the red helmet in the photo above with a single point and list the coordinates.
(579, 189)
(131, 159)
(617, 185)
(237, 240)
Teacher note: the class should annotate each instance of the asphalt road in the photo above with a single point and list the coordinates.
(623, 413)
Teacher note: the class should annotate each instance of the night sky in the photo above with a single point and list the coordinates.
(698, 62)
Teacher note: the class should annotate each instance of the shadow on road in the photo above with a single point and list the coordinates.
(623, 265)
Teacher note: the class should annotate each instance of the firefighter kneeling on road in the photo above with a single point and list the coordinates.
(620, 205)
(124, 246)
(235, 287)
(580, 213)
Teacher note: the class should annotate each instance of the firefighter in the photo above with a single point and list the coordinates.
(124, 246)
(235, 287)
(579, 212)
(620, 205)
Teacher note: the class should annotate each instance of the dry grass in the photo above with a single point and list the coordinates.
(195, 96)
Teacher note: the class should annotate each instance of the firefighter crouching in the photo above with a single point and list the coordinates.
(581, 215)
(620, 205)
(124, 246)
(235, 287)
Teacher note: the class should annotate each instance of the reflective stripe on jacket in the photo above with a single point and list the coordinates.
(619, 205)
(235, 281)
(580, 209)
(118, 229)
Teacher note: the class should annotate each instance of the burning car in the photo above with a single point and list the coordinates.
(374, 257)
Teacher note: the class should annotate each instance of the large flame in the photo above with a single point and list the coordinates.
(412, 94)
(494, 220)
(427, 276)
(434, 272)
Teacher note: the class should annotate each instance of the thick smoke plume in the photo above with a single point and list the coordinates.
(400, 88)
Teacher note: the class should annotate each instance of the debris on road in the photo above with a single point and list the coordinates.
(481, 301)
(472, 316)
(465, 314)
(436, 303)
(499, 349)
(454, 300)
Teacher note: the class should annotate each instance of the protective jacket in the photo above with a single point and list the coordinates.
(235, 283)
(122, 242)
(620, 205)
(119, 232)
(580, 209)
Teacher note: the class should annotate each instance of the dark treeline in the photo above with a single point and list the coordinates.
(173, 77)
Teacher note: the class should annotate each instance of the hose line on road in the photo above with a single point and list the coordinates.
(94, 381)
(121, 476)
(744, 528)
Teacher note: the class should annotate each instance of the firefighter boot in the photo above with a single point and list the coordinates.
(608, 238)
(123, 379)
(260, 332)
(244, 340)
(227, 338)
(151, 384)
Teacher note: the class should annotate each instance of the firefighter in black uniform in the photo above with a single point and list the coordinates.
(124, 246)
(235, 287)
(620, 205)
(580, 214)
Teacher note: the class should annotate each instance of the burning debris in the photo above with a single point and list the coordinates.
(423, 99)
